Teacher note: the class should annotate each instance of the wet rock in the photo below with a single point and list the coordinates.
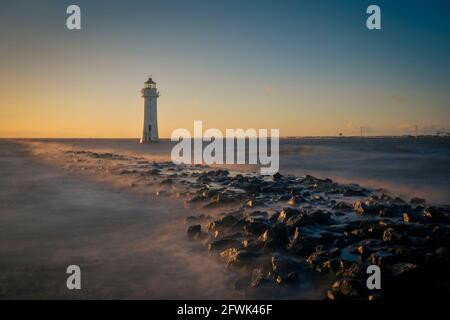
(347, 288)
(320, 217)
(253, 245)
(382, 258)
(258, 277)
(354, 193)
(390, 235)
(287, 213)
(223, 244)
(224, 222)
(194, 231)
(292, 277)
(417, 201)
(360, 207)
(282, 265)
(435, 214)
(275, 237)
(398, 200)
(256, 228)
(342, 206)
(376, 231)
(419, 230)
(237, 257)
(277, 176)
(350, 269)
(331, 265)
(295, 200)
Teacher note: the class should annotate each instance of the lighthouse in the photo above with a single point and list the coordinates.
(150, 123)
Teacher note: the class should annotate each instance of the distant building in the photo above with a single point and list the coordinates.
(150, 121)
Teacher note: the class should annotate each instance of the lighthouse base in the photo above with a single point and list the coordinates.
(148, 141)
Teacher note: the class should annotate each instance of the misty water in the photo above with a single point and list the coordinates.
(131, 243)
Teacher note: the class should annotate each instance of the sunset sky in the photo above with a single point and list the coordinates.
(305, 67)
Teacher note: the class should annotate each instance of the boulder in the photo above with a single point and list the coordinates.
(194, 231)
(223, 244)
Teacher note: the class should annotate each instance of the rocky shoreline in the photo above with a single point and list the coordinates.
(273, 231)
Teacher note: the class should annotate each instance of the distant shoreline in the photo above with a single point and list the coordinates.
(281, 138)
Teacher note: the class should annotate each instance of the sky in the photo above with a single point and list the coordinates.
(308, 68)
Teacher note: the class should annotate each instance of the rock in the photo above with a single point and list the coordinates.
(282, 265)
(286, 213)
(435, 215)
(320, 217)
(347, 288)
(224, 222)
(342, 206)
(299, 220)
(331, 265)
(417, 201)
(407, 217)
(398, 200)
(237, 257)
(277, 176)
(302, 245)
(275, 237)
(402, 269)
(255, 228)
(290, 278)
(257, 277)
(359, 207)
(390, 235)
(382, 258)
(443, 253)
(376, 231)
(223, 244)
(194, 231)
(295, 200)
(354, 193)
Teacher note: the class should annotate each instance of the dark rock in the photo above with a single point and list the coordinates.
(223, 244)
(286, 213)
(258, 277)
(255, 228)
(194, 231)
(320, 217)
(417, 201)
(435, 215)
(347, 288)
(354, 193)
(290, 278)
(382, 258)
(343, 206)
(282, 265)
(390, 235)
(275, 237)
(331, 265)
(295, 200)
(237, 257)
(224, 222)
(277, 176)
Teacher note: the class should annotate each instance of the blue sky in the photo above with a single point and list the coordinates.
(306, 67)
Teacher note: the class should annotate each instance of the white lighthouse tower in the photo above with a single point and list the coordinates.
(150, 123)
